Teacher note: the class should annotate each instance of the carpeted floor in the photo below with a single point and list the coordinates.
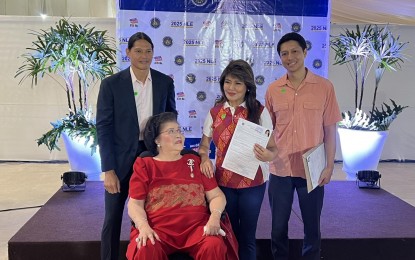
(356, 224)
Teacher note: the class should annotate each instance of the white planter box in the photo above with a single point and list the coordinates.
(80, 158)
(361, 150)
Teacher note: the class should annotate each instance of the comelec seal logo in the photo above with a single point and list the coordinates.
(296, 27)
(218, 97)
(167, 41)
(309, 45)
(179, 60)
(199, 2)
(259, 80)
(191, 78)
(155, 22)
(201, 96)
(317, 63)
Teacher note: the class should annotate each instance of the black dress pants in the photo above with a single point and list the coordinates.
(114, 209)
(281, 193)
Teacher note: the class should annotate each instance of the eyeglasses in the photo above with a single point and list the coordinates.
(172, 131)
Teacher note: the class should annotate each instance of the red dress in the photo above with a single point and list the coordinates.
(174, 194)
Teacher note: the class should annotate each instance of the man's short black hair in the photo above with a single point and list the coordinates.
(292, 36)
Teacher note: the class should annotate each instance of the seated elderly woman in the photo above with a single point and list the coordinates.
(169, 197)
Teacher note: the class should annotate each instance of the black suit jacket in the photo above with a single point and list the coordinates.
(117, 123)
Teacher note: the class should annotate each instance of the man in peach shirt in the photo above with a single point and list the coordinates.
(304, 112)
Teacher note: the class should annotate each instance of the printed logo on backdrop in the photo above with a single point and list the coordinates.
(318, 28)
(205, 61)
(219, 43)
(158, 60)
(123, 40)
(225, 24)
(233, 6)
(229, 44)
(272, 63)
(179, 60)
(155, 22)
(218, 97)
(193, 42)
(296, 27)
(125, 58)
(259, 80)
(191, 78)
(181, 24)
(277, 27)
(207, 24)
(317, 63)
(253, 26)
(187, 129)
(238, 44)
(167, 41)
(226, 48)
(133, 22)
(180, 95)
(192, 113)
(195, 147)
(263, 44)
(201, 96)
(250, 61)
(309, 45)
(212, 79)
(199, 2)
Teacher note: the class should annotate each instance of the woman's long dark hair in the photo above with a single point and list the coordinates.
(241, 70)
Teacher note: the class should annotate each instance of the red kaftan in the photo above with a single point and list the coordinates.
(174, 201)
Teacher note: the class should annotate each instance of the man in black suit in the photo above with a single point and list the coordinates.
(125, 101)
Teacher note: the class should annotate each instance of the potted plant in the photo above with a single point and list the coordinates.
(78, 55)
(370, 49)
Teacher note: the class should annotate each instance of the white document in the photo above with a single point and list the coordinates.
(240, 157)
(314, 163)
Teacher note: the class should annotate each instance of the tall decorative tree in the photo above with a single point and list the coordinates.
(80, 55)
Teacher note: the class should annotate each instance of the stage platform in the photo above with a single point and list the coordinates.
(356, 224)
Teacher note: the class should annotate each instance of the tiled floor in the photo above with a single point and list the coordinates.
(24, 187)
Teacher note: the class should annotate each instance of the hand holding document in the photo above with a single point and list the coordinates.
(314, 163)
(240, 157)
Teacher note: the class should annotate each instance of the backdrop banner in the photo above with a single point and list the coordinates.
(195, 40)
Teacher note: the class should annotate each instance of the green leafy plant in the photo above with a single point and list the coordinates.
(80, 55)
(383, 119)
(77, 125)
(364, 50)
(378, 121)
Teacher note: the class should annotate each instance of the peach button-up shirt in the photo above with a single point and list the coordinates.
(298, 116)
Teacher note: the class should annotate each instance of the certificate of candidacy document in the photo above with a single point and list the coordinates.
(314, 163)
(240, 157)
